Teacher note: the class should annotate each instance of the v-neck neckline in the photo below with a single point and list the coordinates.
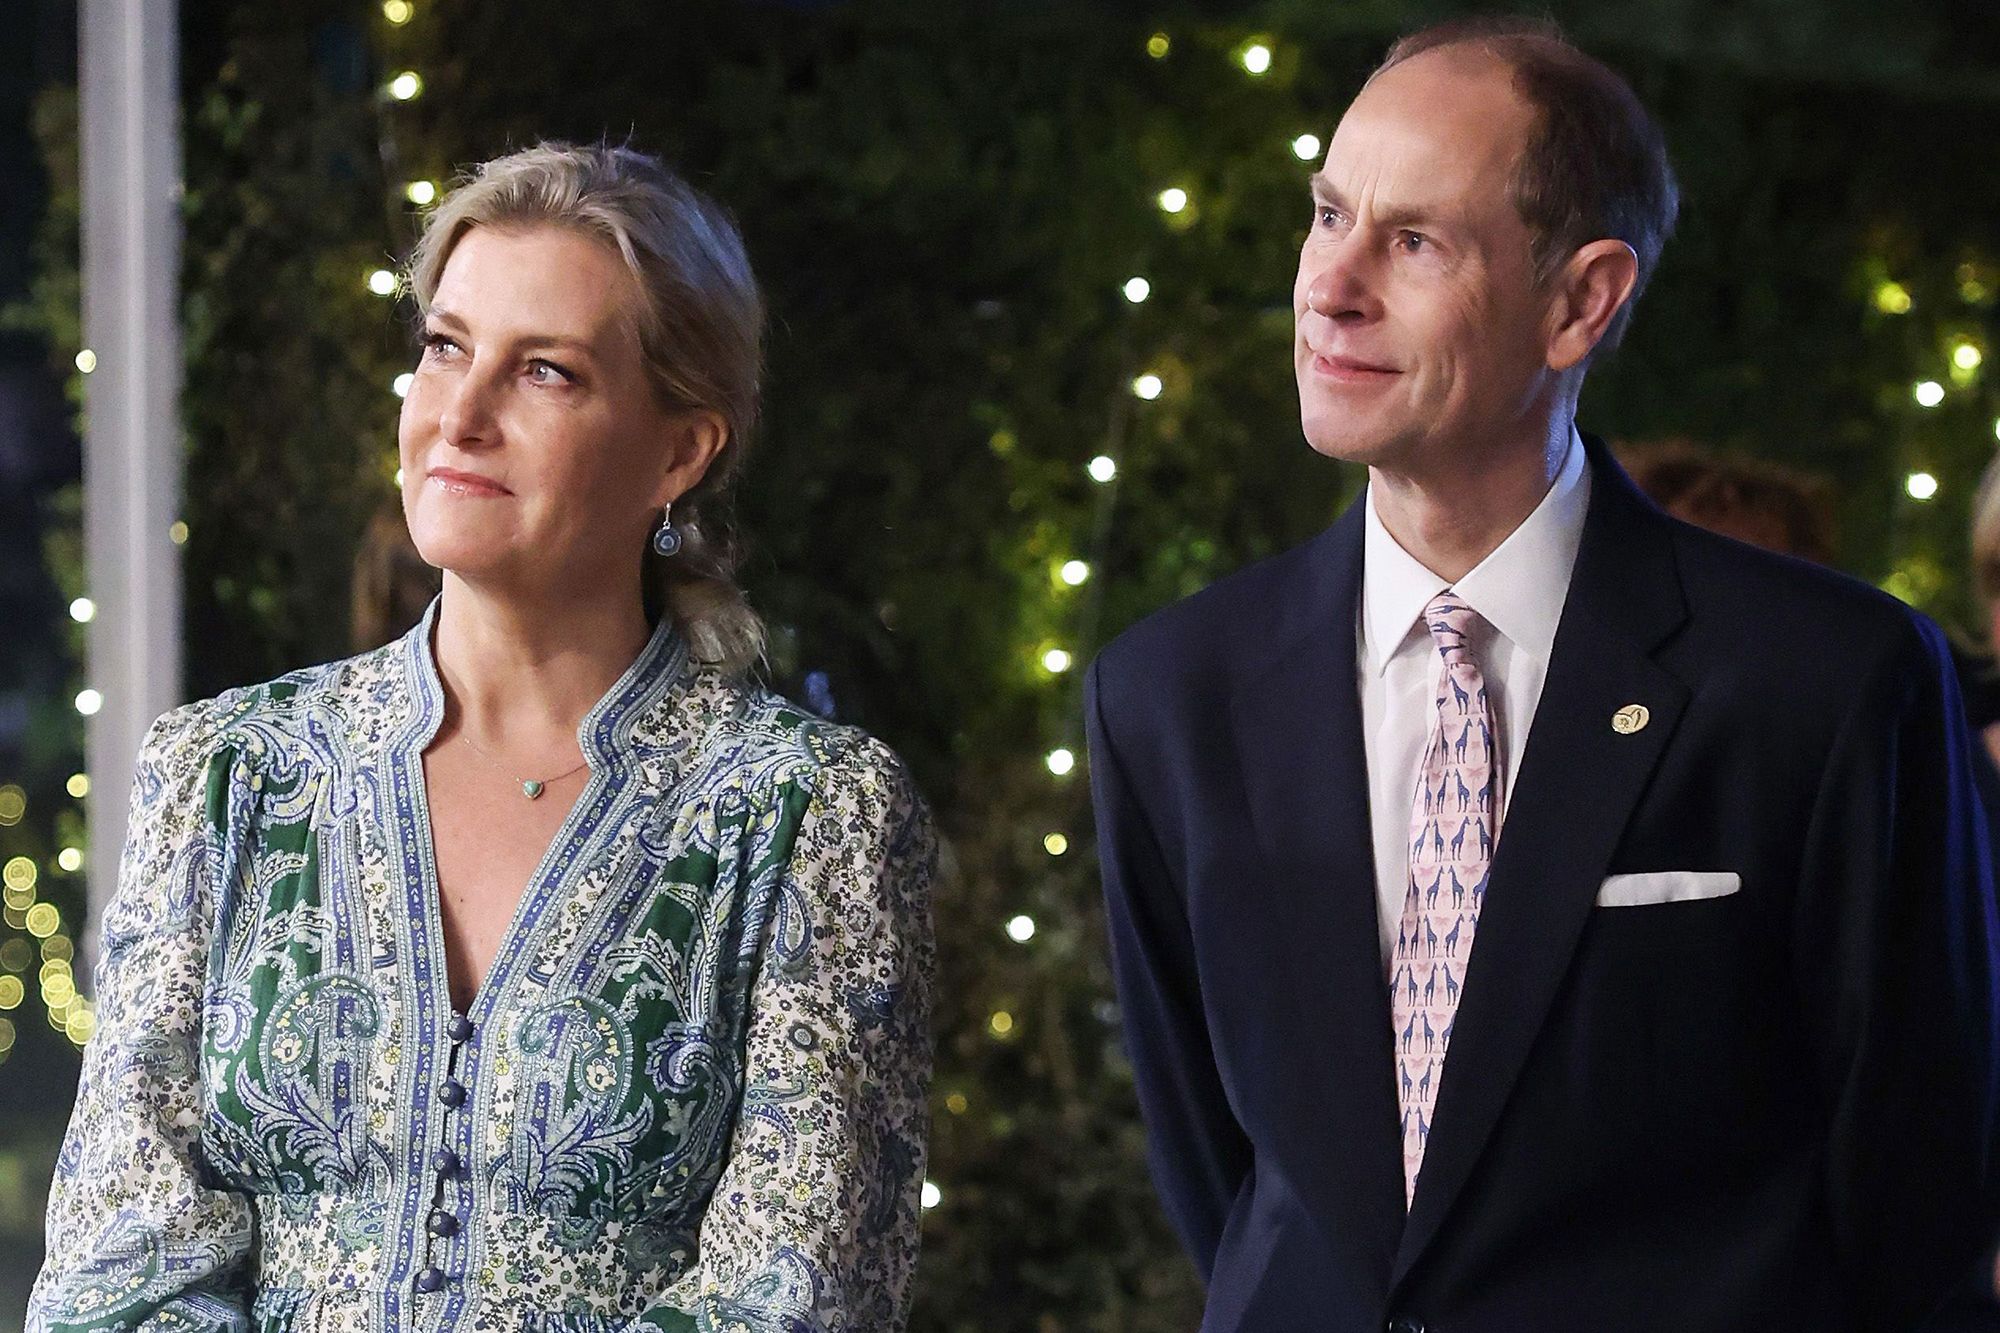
(656, 669)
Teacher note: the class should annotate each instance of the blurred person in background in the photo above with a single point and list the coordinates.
(1766, 504)
(538, 970)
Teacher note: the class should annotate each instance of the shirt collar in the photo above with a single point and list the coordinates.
(1519, 588)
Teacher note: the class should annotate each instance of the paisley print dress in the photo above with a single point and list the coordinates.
(689, 1095)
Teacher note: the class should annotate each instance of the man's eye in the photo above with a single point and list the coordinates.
(1414, 241)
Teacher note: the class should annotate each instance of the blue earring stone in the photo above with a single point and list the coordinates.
(667, 540)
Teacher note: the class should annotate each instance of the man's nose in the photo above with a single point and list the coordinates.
(1344, 284)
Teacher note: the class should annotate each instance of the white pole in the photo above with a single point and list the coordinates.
(129, 85)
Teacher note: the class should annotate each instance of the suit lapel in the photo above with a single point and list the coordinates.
(1578, 783)
(1297, 722)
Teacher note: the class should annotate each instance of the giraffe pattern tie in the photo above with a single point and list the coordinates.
(1452, 829)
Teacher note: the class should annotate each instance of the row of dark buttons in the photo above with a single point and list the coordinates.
(446, 1163)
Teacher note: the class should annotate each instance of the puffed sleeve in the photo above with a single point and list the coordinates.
(137, 1239)
(813, 1224)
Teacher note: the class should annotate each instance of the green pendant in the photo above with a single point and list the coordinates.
(531, 789)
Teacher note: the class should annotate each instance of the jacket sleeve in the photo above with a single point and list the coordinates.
(814, 1222)
(1198, 1152)
(1894, 943)
(137, 1238)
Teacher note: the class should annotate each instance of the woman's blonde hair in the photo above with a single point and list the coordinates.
(701, 333)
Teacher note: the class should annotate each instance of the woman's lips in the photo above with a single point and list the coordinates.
(466, 483)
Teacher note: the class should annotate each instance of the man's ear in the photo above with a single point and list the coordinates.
(699, 436)
(1589, 292)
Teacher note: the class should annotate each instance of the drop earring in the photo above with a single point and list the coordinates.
(667, 537)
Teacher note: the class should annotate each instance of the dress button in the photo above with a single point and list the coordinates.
(460, 1027)
(1403, 1323)
(430, 1279)
(443, 1224)
(446, 1162)
(451, 1092)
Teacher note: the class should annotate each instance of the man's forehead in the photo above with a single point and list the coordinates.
(1451, 109)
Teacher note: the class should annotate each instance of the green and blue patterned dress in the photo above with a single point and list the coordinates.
(690, 1093)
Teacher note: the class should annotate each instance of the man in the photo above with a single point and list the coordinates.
(1530, 912)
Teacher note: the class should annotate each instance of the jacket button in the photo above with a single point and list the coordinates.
(1403, 1323)
(447, 1162)
(460, 1028)
(451, 1092)
(431, 1279)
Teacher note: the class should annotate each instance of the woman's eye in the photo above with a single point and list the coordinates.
(436, 344)
(548, 372)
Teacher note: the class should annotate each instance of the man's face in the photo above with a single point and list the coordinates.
(1420, 335)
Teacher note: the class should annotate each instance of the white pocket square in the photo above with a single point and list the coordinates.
(1667, 886)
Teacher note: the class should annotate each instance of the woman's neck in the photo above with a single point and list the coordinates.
(518, 676)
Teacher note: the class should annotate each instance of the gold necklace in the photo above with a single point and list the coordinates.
(532, 788)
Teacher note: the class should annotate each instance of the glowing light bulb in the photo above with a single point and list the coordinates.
(1173, 199)
(406, 86)
(70, 859)
(932, 1196)
(78, 785)
(88, 702)
(1137, 290)
(1060, 761)
(1257, 58)
(400, 386)
(1966, 357)
(1892, 298)
(86, 361)
(1021, 929)
(1074, 572)
(382, 282)
(1921, 485)
(1306, 147)
(83, 610)
(1103, 467)
(1158, 45)
(398, 12)
(1055, 844)
(1148, 386)
(421, 193)
(1056, 661)
(1928, 393)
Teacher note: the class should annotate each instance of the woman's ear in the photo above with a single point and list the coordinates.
(1589, 292)
(699, 435)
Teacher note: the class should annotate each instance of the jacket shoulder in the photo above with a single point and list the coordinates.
(1194, 642)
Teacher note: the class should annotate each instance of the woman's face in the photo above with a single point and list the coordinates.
(535, 451)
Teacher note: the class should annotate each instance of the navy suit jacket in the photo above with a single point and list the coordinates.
(1771, 1110)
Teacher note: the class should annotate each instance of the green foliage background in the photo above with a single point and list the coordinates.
(943, 203)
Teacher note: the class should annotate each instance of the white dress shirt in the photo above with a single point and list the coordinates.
(1519, 591)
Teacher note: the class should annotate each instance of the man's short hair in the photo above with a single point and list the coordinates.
(1595, 166)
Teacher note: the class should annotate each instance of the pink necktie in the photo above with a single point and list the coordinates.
(1452, 828)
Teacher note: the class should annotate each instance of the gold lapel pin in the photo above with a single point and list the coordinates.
(1630, 718)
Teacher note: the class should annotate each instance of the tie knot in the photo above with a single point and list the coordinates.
(1450, 622)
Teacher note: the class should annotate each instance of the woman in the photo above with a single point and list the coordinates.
(350, 1073)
